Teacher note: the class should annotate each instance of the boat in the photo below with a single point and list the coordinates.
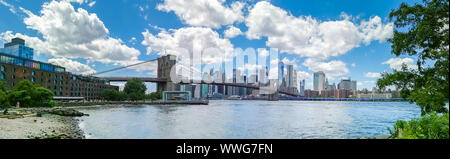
(235, 97)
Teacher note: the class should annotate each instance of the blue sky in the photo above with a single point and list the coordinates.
(129, 28)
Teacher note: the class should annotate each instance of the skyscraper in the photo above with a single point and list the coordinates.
(17, 48)
(302, 87)
(280, 73)
(345, 84)
(319, 81)
(353, 86)
(290, 76)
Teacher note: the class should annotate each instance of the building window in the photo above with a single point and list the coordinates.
(13, 77)
(33, 73)
(2, 68)
(2, 76)
(32, 79)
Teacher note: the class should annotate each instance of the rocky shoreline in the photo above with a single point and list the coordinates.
(40, 123)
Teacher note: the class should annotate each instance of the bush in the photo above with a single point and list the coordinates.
(30, 95)
(430, 126)
(155, 96)
(113, 95)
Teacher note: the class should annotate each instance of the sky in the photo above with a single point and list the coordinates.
(344, 39)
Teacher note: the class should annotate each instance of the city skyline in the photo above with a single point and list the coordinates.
(151, 24)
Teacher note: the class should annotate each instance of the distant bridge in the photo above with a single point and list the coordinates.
(163, 80)
(165, 64)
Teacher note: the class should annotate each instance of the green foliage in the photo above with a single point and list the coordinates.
(3, 98)
(113, 95)
(427, 37)
(155, 96)
(3, 86)
(135, 89)
(430, 126)
(30, 95)
(134, 96)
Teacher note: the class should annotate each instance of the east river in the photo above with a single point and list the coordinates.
(224, 119)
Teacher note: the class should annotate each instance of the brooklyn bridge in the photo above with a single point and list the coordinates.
(165, 83)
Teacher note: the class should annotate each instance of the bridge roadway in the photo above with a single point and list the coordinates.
(162, 80)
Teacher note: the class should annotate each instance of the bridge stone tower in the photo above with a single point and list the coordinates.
(165, 65)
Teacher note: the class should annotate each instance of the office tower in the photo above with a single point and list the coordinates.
(295, 80)
(302, 87)
(319, 81)
(345, 84)
(17, 48)
(280, 73)
(290, 76)
(354, 87)
(262, 76)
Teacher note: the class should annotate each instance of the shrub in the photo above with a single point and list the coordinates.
(430, 126)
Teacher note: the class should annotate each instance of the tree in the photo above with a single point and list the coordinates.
(113, 95)
(3, 90)
(135, 89)
(30, 95)
(155, 96)
(3, 98)
(109, 94)
(3, 86)
(427, 37)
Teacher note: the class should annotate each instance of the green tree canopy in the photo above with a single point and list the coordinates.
(113, 95)
(135, 89)
(155, 96)
(30, 95)
(422, 30)
(3, 86)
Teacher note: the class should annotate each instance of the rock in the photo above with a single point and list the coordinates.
(66, 112)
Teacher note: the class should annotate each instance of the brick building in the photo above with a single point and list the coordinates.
(13, 69)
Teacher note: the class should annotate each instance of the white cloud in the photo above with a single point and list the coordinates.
(374, 29)
(71, 33)
(232, 32)
(309, 37)
(372, 75)
(396, 63)
(10, 6)
(77, 1)
(263, 52)
(190, 40)
(331, 69)
(92, 3)
(72, 66)
(207, 13)
(308, 77)
(353, 65)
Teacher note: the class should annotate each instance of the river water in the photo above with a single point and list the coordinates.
(247, 120)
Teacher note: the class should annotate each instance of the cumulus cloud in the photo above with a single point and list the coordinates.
(190, 40)
(232, 32)
(207, 13)
(332, 69)
(72, 66)
(71, 33)
(309, 37)
(372, 75)
(396, 63)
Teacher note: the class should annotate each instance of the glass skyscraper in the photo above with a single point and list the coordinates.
(17, 48)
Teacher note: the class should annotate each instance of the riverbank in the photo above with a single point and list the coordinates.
(42, 126)
(86, 103)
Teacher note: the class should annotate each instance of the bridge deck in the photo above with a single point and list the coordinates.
(162, 80)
